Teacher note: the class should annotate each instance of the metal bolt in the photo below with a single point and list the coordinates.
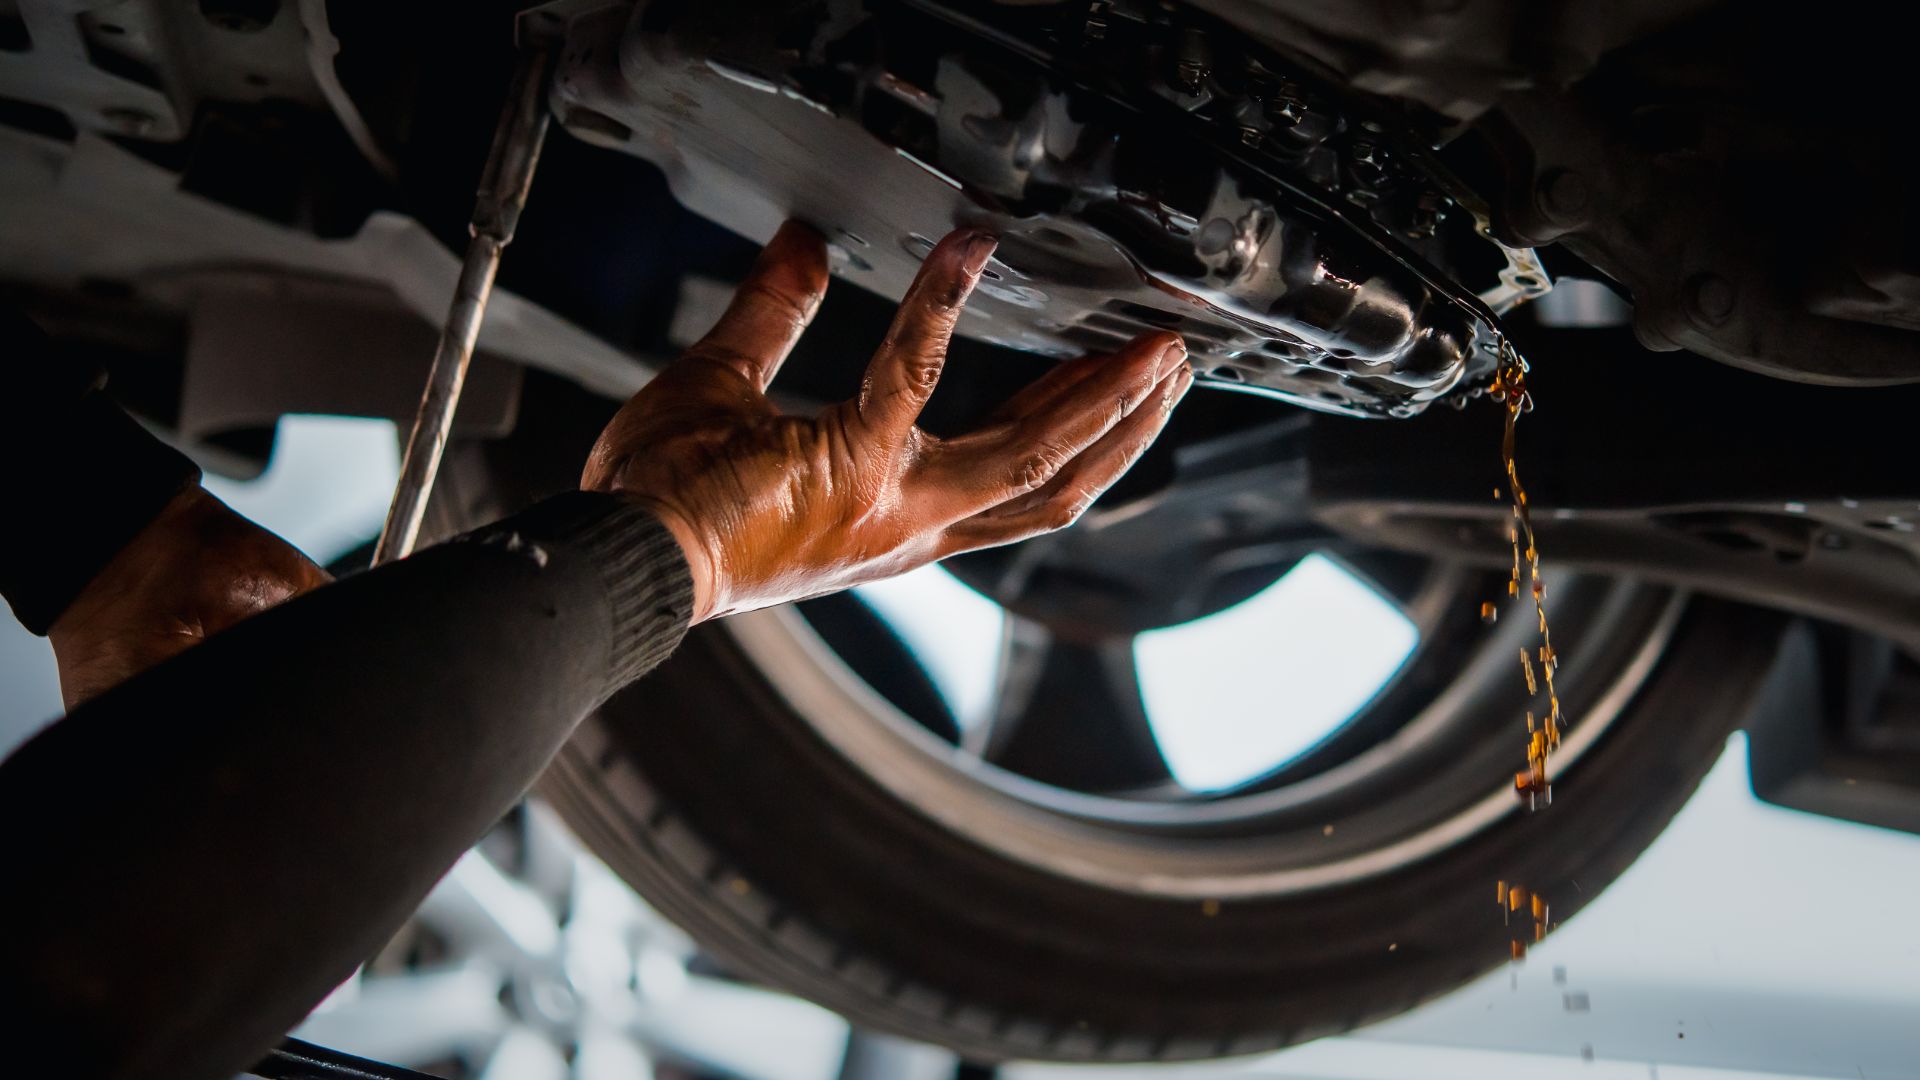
(1428, 213)
(1250, 118)
(1710, 299)
(1096, 25)
(1191, 66)
(1286, 108)
(1190, 74)
(1563, 196)
(1368, 164)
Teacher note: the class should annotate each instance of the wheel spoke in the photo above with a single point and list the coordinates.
(872, 1056)
(1398, 576)
(1069, 713)
(792, 1040)
(548, 852)
(605, 1054)
(413, 1019)
(489, 912)
(525, 1054)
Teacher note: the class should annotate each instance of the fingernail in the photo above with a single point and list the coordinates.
(979, 250)
(1182, 383)
(1170, 360)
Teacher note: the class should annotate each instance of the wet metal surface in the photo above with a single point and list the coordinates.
(1289, 247)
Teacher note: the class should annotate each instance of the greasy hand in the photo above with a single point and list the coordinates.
(772, 508)
(197, 569)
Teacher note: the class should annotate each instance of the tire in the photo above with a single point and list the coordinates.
(708, 790)
(809, 834)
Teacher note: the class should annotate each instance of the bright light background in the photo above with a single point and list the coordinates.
(1229, 697)
(325, 492)
(1782, 944)
(1236, 694)
(327, 487)
(953, 631)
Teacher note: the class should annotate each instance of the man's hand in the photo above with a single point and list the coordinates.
(197, 569)
(772, 508)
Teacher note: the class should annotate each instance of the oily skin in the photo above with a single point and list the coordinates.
(771, 508)
(768, 508)
(195, 570)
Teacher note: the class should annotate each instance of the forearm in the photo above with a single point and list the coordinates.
(207, 849)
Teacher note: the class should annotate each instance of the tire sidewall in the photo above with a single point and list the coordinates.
(714, 796)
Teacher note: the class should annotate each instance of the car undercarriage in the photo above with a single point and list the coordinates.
(1691, 222)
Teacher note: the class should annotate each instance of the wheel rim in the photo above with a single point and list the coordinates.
(531, 960)
(1266, 839)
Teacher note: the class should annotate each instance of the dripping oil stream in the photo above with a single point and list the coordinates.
(1531, 784)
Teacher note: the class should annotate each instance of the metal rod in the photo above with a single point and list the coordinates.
(496, 213)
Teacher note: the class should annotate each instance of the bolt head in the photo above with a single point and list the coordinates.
(1096, 24)
(1564, 195)
(1710, 299)
(1190, 74)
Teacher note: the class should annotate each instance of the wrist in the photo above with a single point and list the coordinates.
(702, 566)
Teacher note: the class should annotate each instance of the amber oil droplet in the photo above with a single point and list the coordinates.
(1531, 785)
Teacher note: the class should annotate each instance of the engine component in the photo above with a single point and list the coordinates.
(1143, 168)
(1676, 186)
(1732, 166)
(1455, 58)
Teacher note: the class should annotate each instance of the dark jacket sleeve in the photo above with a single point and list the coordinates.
(83, 477)
(200, 854)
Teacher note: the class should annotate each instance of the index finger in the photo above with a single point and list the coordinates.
(771, 308)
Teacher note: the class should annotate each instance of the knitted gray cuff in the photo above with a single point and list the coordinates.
(648, 585)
